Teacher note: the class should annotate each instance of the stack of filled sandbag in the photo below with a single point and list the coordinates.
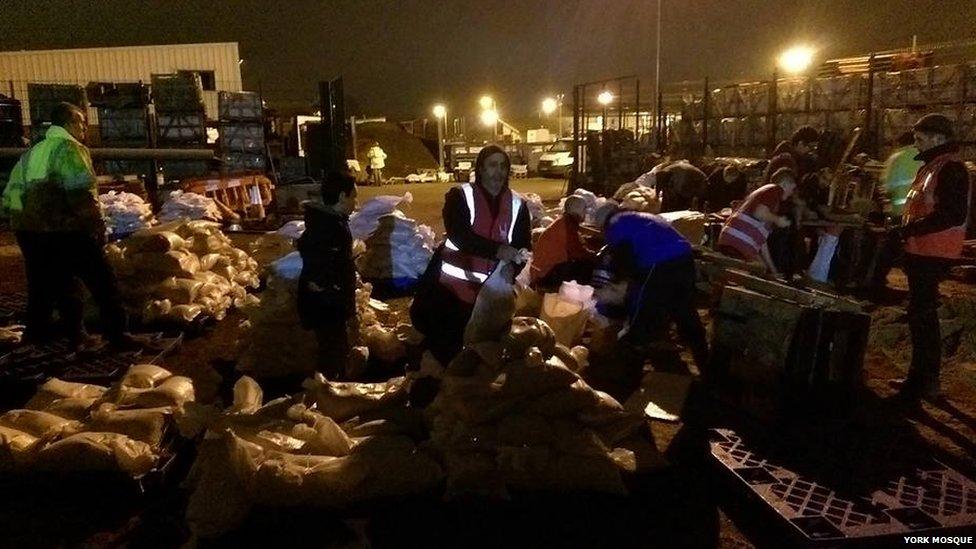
(75, 427)
(640, 199)
(192, 206)
(396, 250)
(336, 445)
(274, 342)
(517, 415)
(125, 213)
(182, 270)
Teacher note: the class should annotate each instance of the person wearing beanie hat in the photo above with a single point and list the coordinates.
(933, 229)
(745, 234)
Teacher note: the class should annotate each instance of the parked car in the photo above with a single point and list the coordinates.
(557, 160)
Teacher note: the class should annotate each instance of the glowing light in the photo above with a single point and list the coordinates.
(486, 102)
(489, 117)
(549, 105)
(605, 98)
(440, 111)
(796, 59)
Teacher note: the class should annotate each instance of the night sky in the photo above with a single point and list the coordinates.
(400, 57)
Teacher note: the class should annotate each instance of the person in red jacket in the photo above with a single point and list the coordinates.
(559, 255)
(933, 229)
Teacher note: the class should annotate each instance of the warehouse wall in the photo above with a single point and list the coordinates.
(125, 64)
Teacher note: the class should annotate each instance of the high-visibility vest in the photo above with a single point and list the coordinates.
(38, 196)
(899, 173)
(464, 273)
(921, 202)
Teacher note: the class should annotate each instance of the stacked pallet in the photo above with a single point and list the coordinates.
(123, 116)
(242, 146)
(44, 97)
(181, 121)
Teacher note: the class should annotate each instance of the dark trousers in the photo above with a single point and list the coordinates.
(333, 357)
(57, 264)
(924, 275)
(667, 294)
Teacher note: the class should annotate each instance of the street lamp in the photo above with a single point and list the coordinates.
(440, 112)
(549, 105)
(486, 102)
(605, 98)
(796, 59)
(489, 117)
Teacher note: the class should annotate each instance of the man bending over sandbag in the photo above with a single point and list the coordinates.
(486, 222)
(647, 268)
(327, 285)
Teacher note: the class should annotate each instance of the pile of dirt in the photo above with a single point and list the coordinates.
(405, 153)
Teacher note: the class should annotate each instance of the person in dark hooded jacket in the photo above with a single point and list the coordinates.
(327, 284)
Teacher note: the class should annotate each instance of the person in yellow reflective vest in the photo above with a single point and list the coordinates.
(899, 172)
(52, 202)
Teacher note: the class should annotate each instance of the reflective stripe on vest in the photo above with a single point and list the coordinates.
(921, 202)
(462, 272)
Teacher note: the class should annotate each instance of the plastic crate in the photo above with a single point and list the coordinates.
(181, 169)
(177, 92)
(237, 162)
(117, 96)
(241, 137)
(44, 97)
(181, 128)
(127, 125)
(244, 106)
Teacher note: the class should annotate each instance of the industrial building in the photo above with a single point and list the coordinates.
(218, 64)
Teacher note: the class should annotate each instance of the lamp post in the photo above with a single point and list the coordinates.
(605, 98)
(440, 112)
(489, 114)
(552, 104)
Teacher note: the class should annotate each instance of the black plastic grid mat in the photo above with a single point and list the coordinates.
(930, 499)
(57, 359)
(13, 306)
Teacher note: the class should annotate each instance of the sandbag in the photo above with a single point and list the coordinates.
(344, 400)
(325, 438)
(37, 423)
(179, 291)
(71, 408)
(174, 391)
(145, 376)
(532, 376)
(209, 261)
(154, 242)
(185, 313)
(526, 333)
(91, 451)
(248, 396)
(383, 343)
(143, 425)
(494, 307)
(567, 318)
(55, 389)
(178, 263)
(15, 447)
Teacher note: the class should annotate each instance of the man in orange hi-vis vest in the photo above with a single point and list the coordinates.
(933, 228)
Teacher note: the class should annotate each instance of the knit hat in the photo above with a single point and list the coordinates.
(935, 123)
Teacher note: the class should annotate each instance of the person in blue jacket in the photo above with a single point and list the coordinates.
(654, 261)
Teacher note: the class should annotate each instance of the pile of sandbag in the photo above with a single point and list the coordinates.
(192, 206)
(398, 249)
(336, 445)
(125, 213)
(639, 199)
(182, 270)
(274, 342)
(68, 427)
(517, 415)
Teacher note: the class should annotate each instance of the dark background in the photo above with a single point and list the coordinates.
(400, 57)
